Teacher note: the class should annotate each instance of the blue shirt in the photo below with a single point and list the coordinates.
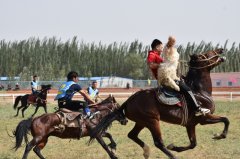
(92, 92)
(67, 90)
(34, 86)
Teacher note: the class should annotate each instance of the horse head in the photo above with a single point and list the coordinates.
(198, 77)
(111, 103)
(207, 60)
(43, 93)
(45, 88)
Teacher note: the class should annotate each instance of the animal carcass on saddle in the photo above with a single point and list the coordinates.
(168, 92)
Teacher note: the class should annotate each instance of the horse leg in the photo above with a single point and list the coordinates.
(133, 134)
(24, 108)
(112, 145)
(37, 149)
(157, 138)
(45, 108)
(36, 109)
(28, 148)
(18, 110)
(192, 137)
(213, 119)
(110, 153)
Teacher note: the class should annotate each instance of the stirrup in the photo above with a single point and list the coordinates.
(91, 115)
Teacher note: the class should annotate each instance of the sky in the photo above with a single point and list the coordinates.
(111, 21)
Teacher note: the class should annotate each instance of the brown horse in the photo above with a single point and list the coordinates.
(146, 111)
(49, 125)
(37, 100)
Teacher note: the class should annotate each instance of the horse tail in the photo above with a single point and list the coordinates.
(17, 101)
(21, 132)
(105, 123)
(108, 119)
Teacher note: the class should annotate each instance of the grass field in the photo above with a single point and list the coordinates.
(56, 148)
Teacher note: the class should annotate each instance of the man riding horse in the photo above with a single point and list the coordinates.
(34, 85)
(67, 91)
(154, 60)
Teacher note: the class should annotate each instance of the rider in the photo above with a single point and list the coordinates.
(154, 59)
(66, 92)
(93, 91)
(34, 85)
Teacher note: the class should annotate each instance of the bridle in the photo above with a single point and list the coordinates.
(209, 60)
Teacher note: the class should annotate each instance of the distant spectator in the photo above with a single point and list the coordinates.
(9, 87)
(1, 87)
(17, 87)
(128, 86)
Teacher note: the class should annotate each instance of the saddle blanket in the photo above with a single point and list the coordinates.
(168, 96)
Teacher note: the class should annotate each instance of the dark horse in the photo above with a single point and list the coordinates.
(47, 125)
(146, 111)
(36, 100)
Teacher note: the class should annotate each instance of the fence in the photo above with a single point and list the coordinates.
(85, 83)
(51, 96)
(226, 95)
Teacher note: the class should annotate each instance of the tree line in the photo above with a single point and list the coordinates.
(52, 59)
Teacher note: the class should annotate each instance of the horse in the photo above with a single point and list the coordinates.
(51, 124)
(37, 100)
(145, 110)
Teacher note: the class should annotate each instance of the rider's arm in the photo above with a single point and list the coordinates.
(153, 65)
(151, 61)
(86, 96)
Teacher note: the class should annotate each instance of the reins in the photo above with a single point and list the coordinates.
(206, 60)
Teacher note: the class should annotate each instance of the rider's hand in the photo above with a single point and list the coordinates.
(92, 102)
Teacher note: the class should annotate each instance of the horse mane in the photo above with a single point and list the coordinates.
(105, 123)
(192, 79)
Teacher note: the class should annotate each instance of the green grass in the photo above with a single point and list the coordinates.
(207, 148)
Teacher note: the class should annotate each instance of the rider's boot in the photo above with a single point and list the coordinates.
(199, 110)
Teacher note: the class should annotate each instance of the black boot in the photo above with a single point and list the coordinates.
(199, 110)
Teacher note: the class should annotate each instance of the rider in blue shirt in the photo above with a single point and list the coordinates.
(67, 91)
(34, 85)
(93, 91)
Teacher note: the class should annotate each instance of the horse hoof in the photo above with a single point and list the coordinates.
(114, 157)
(218, 137)
(170, 147)
(112, 146)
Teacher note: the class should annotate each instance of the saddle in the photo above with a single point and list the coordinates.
(70, 118)
(32, 99)
(168, 96)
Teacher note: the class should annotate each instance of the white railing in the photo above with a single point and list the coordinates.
(118, 94)
(228, 95)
